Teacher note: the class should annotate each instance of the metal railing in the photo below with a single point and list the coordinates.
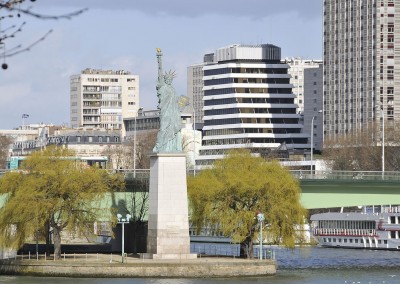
(299, 174)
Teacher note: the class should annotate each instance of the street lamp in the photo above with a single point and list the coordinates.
(312, 140)
(383, 142)
(194, 142)
(134, 144)
(260, 218)
(123, 221)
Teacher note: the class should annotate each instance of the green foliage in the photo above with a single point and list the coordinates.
(231, 193)
(52, 190)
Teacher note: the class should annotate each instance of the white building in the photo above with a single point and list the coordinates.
(298, 80)
(248, 103)
(102, 98)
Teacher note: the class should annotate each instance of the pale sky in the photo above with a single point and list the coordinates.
(124, 35)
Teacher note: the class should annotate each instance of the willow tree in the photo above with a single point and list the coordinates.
(52, 190)
(229, 195)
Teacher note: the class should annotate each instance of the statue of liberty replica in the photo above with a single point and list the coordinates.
(169, 136)
(168, 226)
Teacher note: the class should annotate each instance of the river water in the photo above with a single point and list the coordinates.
(302, 265)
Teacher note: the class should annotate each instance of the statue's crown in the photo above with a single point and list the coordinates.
(170, 74)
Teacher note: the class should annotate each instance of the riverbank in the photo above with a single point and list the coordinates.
(101, 266)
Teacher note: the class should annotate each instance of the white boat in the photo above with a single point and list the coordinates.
(373, 228)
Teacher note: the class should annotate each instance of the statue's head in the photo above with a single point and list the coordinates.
(169, 76)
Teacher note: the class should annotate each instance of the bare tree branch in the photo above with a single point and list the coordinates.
(16, 9)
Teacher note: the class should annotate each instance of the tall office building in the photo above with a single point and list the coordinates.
(361, 64)
(248, 103)
(102, 98)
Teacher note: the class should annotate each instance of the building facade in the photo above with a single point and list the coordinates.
(297, 68)
(313, 105)
(195, 91)
(361, 64)
(248, 103)
(102, 98)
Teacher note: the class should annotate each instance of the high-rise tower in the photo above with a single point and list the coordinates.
(361, 64)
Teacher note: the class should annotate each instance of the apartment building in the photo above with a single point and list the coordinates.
(361, 64)
(297, 67)
(102, 98)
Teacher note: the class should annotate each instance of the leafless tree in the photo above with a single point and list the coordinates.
(12, 24)
(362, 151)
(144, 147)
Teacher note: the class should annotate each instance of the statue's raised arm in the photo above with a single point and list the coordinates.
(160, 80)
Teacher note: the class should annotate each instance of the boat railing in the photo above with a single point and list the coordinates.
(343, 232)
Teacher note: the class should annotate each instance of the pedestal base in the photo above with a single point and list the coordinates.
(168, 226)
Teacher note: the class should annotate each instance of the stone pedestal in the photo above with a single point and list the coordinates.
(168, 227)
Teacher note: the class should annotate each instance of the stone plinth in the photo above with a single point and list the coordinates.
(168, 227)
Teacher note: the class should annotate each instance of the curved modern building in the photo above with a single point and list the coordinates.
(248, 103)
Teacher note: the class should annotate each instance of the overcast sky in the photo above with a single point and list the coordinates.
(124, 35)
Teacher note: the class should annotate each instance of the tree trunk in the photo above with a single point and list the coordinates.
(246, 248)
(57, 242)
(47, 236)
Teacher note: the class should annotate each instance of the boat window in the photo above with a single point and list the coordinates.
(356, 241)
(379, 242)
(367, 241)
(345, 240)
(329, 239)
(392, 234)
(392, 219)
(385, 242)
(334, 240)
(362, 241)
(351, 240)
(340, 240)
(325, 240)
(373, 241)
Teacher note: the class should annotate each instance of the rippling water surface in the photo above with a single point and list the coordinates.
(309, 265)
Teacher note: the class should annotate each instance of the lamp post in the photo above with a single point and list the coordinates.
(134, 144)
(383, 142)
(312, 141)
(123, 221)
(260, 218)
(194, 142)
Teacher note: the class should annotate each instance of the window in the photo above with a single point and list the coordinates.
(90, 139)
